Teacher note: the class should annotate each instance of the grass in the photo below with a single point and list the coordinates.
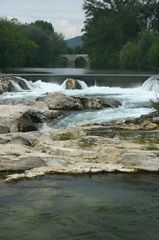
(152, 146)
(140, 141)
(149, 144)
(64, 137)
(85, 142)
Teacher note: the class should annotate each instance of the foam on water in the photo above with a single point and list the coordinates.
(16, 86)
(135, 101)
(152, 84)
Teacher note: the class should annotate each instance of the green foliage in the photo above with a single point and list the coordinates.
(145, 42)
(29, 45)
(15, 47)
(64, 136)
(128, 55)
(80, 63)
(121, 33)
(86, 142)
(153, 54)
(142, 53)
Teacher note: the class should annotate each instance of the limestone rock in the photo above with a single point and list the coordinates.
(72, 151)
(4, 129)
(59, 101)
(72, 84)
(31, 120)
(25, 117)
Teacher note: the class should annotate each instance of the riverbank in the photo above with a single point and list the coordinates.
(80, 150)
(123, 146)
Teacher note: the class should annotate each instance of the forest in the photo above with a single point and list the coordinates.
(29, 45)
(117, 34)
(122, 33)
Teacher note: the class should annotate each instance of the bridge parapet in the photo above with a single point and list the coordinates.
(73, 57)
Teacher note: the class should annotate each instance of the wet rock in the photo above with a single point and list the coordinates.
(10, 83)
(155, 120)
(72, 84)
(32, 120)
(59, 101)
(14, 177)
(4, 129)
(4, 83)
(98, 103)
(25, 117)
(29, 121)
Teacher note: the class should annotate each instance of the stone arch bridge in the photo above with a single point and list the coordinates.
(73, 57)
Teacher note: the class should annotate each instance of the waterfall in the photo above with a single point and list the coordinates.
(151, 84)
(82, 84)
(29, 84)
(16, 86)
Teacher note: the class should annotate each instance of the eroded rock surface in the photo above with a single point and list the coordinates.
(25, 117)
(72, 151)
(60, 101)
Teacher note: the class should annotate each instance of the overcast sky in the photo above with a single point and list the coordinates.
(65, 15)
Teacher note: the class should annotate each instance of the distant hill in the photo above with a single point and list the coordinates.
(74, 42)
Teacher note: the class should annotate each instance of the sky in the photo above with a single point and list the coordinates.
(66, 16)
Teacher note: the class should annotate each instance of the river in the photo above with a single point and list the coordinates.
(133, 90)
(99, 207)
(109, 206)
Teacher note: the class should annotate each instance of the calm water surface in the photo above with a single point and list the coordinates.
(104, 207)
(90, 76)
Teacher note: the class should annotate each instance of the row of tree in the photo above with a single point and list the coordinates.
(29, 45)
(122, 33)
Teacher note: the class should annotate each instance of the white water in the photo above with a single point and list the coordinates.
(16, 86)
(135, 101)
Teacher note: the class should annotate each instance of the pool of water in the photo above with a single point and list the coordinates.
(109, 206)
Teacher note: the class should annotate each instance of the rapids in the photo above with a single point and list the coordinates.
(135, 101)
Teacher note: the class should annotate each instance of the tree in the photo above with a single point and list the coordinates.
(29, 45)
(14, 45)
(50, 44)
(145, 42)
(129, 55)
(111, 24)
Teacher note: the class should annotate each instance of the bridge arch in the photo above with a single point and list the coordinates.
(73, 57)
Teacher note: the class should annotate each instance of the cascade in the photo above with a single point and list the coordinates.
(16, 86)
(151, 84)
